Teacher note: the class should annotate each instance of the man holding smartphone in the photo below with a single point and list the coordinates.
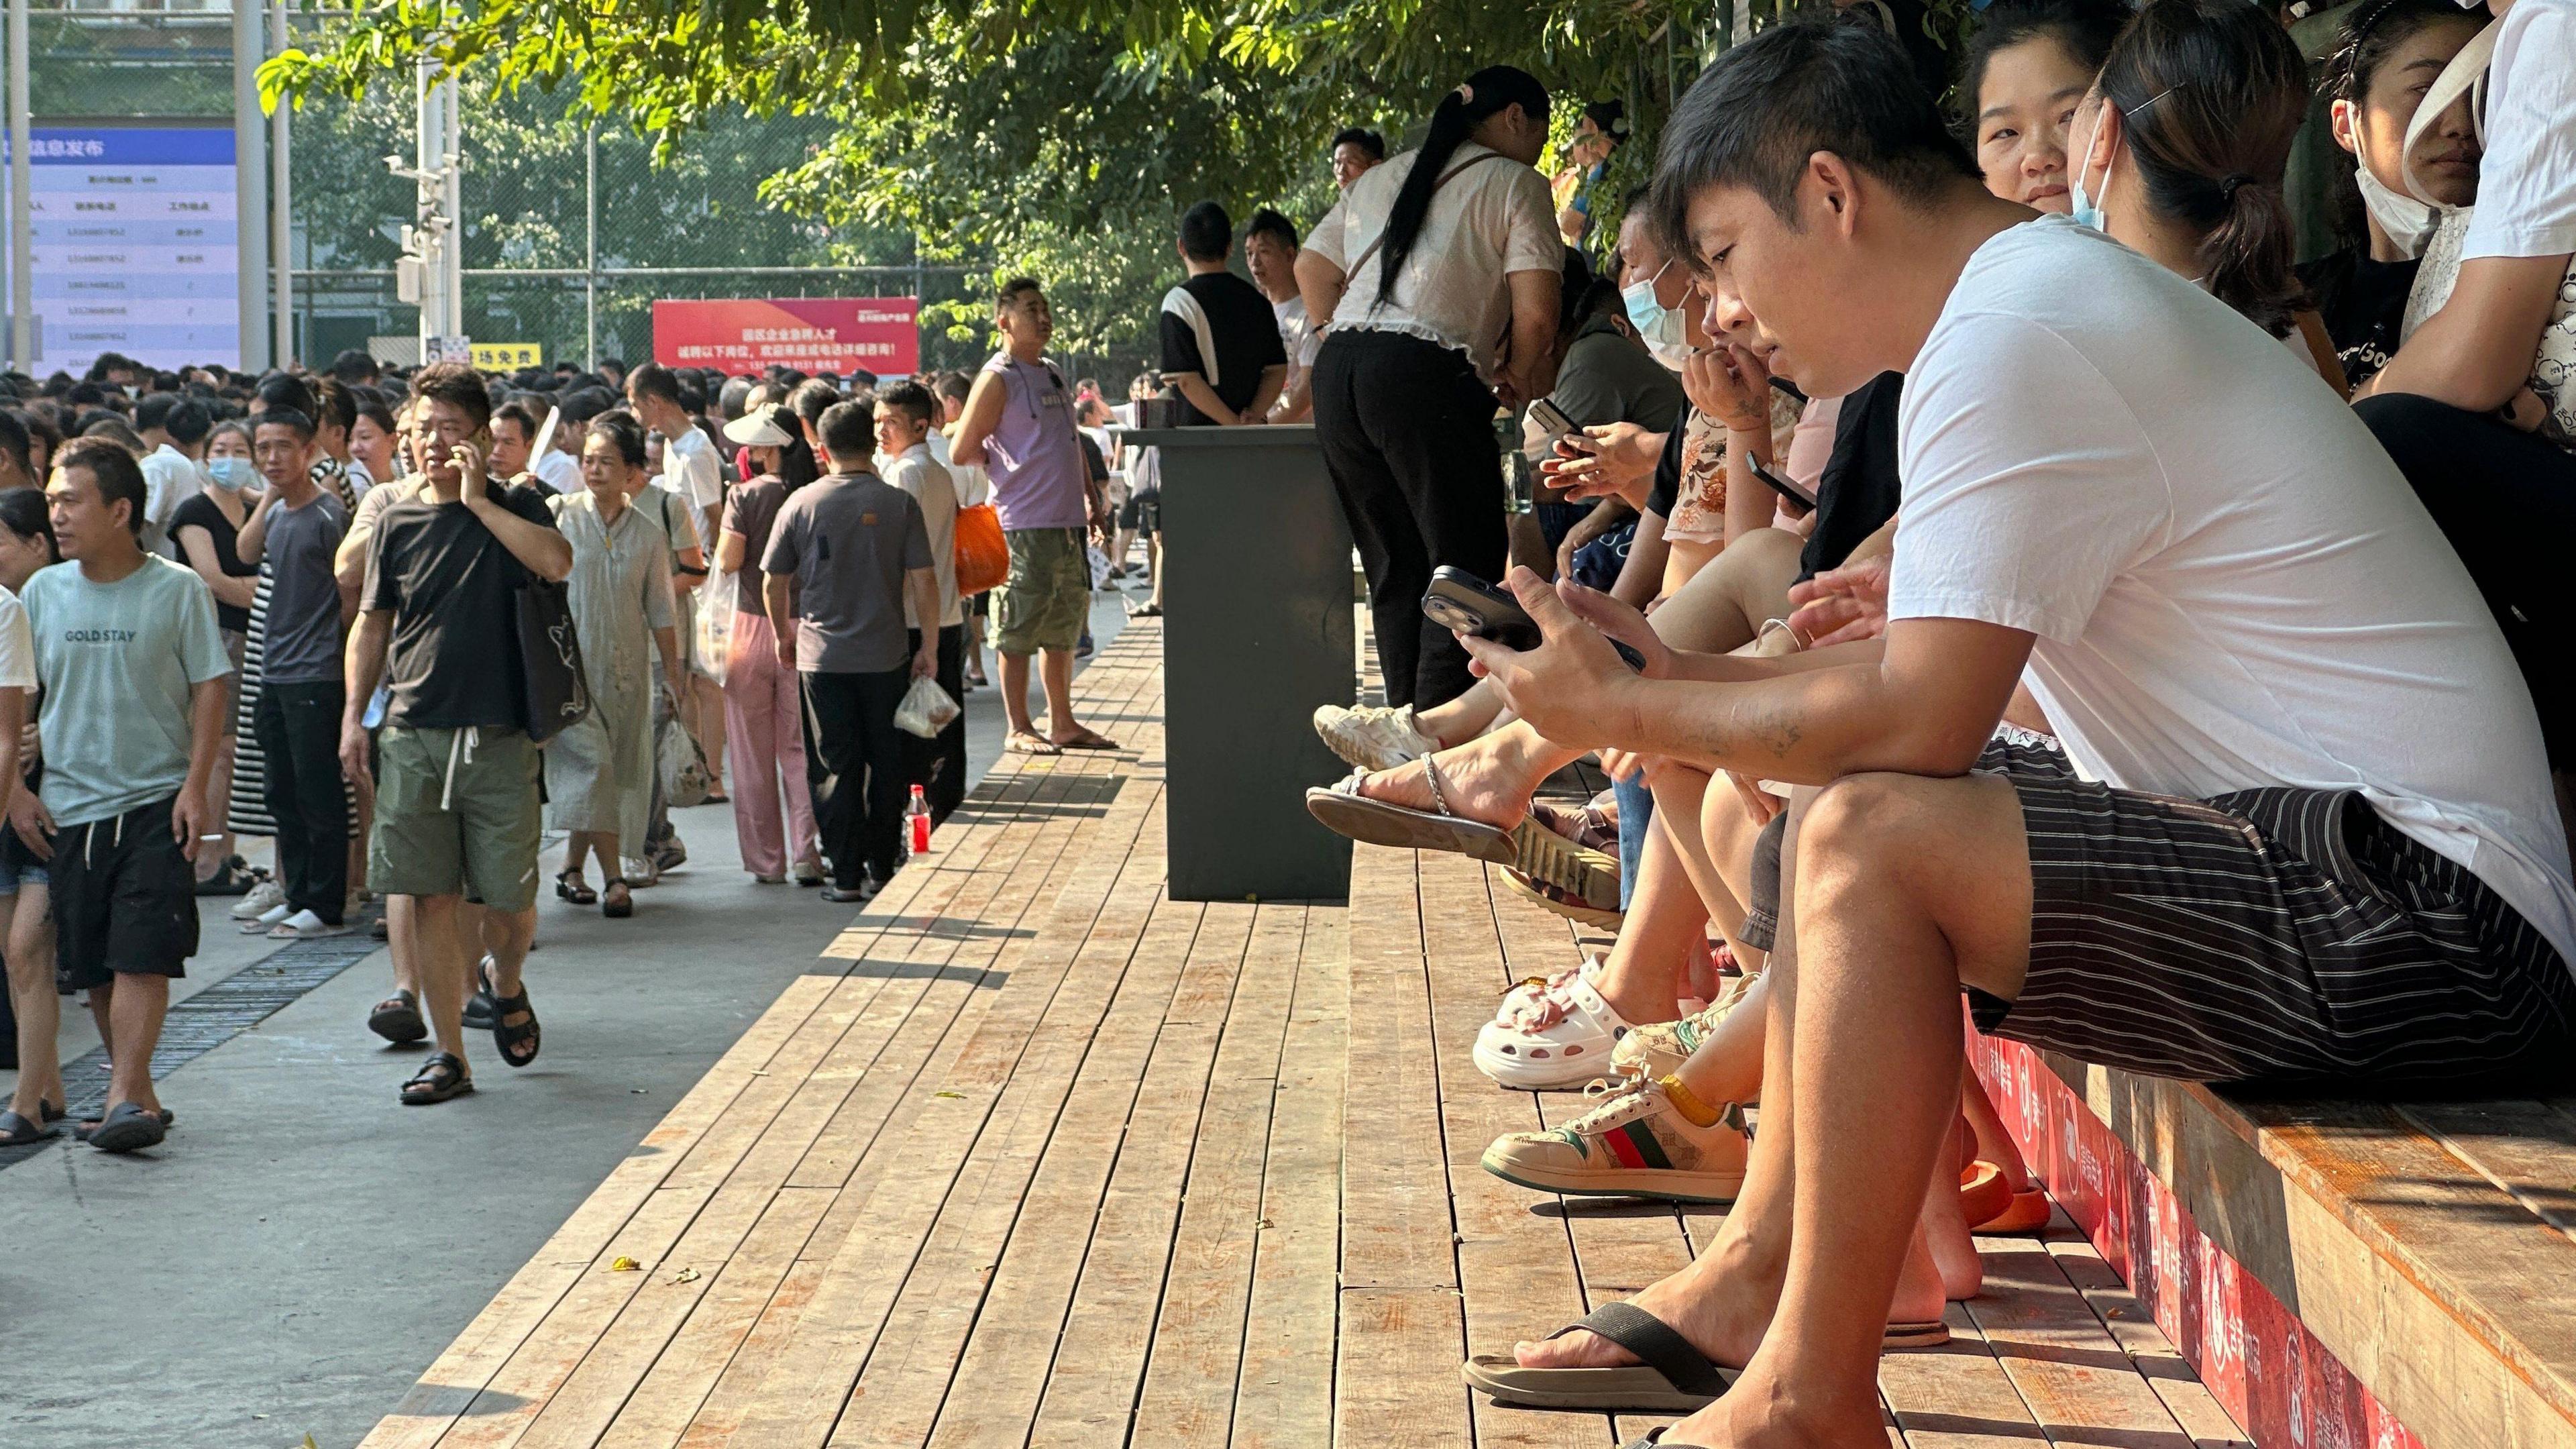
(457, 810)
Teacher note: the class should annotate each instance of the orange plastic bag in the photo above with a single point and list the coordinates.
(983, 557)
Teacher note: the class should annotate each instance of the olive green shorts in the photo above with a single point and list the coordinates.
(456, 814)
(1048, 597)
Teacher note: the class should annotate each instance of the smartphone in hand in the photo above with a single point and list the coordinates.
(1461, 601)
(1779, 483)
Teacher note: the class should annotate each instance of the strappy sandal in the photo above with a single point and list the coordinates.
(1672, 1377)
(570, 887)
(439, 1078)
(1345, 811)
(397, 1019)
(616, 910)
(508, 1039)
(478, 1007)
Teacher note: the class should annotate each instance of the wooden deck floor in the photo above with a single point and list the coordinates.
(1038, 1157)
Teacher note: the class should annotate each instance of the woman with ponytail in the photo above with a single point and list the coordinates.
(1440, 273)
(2180, 151)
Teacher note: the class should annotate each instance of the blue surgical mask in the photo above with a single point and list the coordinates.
(2086, 209)
(231, 474)
(1664, 329)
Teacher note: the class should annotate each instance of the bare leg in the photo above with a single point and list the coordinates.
(1056, 670)
(442, 970)
(39, 1008)
(1154, 564)
(402, 920)
(217, 850)
(1667, 927)
(1015, 693)
(1905, 888)
(1463, 718)
(505, 935)
(136, 1003)
(711, 726)
(1994, 1144)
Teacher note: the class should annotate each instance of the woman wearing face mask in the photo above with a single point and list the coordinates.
(1440, 273)
(2457, 406)
(2386, 57)
(2180, 152)
(2028, 69)
(205, 527)
(764, 717)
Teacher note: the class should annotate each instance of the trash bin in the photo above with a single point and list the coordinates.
(1258, 630)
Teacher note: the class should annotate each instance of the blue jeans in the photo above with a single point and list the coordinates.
(1636, 812)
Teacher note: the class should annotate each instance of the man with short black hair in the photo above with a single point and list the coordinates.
(457, 805)
(17, 452)
(847, 555)
(1270, 251)
(1221, 344)
(2307, 834)
(514, 432)
(175, 429)
(904, 414)
(1355, 151)
(1018, 427)
(297, 530)
(133, 668)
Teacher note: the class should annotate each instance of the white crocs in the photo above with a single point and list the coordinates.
(1552, 1036)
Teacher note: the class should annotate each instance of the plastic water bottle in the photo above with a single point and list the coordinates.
(917, 819)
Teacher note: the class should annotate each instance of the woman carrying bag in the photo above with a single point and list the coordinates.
(764, 720)
(1440, 272)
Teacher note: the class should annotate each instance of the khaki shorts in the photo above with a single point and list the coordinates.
(1048, 597)
(456, 816)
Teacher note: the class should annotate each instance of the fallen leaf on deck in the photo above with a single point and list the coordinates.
(624, 1265)
(959, 1096)
(685, 1275)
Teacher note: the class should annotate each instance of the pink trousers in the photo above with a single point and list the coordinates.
(765, 750)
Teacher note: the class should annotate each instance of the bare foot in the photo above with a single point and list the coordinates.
(1473, 783)
(1723, 1315)
(1946, 1235)
(1759, 1412)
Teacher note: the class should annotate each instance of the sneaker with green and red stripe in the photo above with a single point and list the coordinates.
(1654, 1139)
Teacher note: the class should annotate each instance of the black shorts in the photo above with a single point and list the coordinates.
(125, 899)
(2266, 935)
(1142, 513)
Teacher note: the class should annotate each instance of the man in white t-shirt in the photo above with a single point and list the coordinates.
(2308, 833)
(176, 427)
(906, 415)
(1270, 250)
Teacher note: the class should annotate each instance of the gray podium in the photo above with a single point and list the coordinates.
(1258, 630)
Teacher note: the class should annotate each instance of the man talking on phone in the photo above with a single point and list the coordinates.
(456, 811)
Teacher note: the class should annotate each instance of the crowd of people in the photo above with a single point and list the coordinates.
(2009, 595)
(415, 624)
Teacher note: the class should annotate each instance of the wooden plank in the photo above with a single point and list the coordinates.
(1191, 1381)
(1396, 1226)
(2528, 1149)
(1397, 1376)
(2157, 1360)
(1284, 1399)
(451, 1382)
(2078, 1383)
(907, 1377)
(1956, 1396)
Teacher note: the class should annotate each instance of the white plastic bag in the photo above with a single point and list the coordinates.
(1099, 568)
(686, 781)
(715, 631)
(926, 709)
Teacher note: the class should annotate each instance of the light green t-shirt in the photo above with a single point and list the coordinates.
(117, 661)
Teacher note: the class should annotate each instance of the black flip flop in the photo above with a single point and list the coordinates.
(1672, 1377)
(507, 1038)
(17, 1131)
(397, 1019)
(128, 1128)
(570, 887)
(439, 1078)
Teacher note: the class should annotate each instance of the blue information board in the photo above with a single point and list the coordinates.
(137, 249)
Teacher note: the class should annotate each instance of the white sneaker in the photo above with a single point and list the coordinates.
(1373, 737)
(1552, 1037)
(640, 874)
(264, 897)
(305, 926)
(261, 924)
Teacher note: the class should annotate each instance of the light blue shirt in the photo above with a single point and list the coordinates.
(116, 662)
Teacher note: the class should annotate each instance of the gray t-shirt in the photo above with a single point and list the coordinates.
(117, 661)
(303, 640)
(848, 540)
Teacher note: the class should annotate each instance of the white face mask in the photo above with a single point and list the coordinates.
(1664, 330)
(2408, 221)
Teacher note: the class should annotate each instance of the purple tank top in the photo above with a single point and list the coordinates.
(1033, 456)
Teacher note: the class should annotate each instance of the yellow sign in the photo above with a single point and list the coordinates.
(508, 356)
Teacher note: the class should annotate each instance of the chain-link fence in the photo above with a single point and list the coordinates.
(571, 231)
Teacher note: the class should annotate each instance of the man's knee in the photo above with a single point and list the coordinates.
(1874, 823)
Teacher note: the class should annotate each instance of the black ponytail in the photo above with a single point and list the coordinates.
(1487, 93)
(2211, 94)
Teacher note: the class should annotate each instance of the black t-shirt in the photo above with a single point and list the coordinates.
(451, 584)
(201, 511)
(1244, 330)
(2362, 303)
(1858, 491)
(1666, 491)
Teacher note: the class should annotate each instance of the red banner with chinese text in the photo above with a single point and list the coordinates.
(810, 334)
